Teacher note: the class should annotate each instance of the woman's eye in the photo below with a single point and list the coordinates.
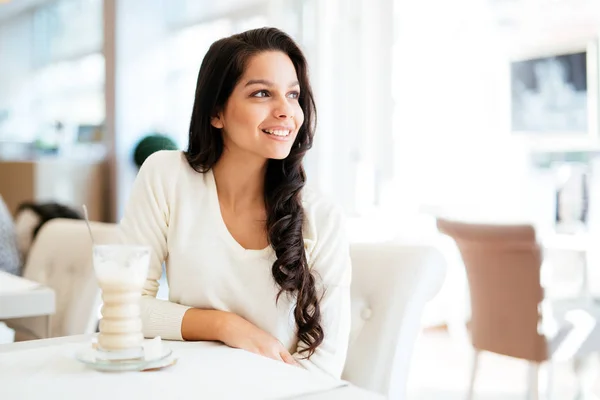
(265, 93)
(261, 93)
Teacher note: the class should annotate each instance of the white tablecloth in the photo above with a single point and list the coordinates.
(205, 370)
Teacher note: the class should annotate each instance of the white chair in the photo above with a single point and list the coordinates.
(391, 283)
(61, 258)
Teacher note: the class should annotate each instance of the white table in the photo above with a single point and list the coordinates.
(21, 298)
(46, 369)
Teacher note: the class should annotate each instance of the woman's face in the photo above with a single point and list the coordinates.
(262, 116)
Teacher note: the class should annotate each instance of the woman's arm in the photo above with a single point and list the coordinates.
(330, 262)
(146, 222)
(200, 324)
(234, 331)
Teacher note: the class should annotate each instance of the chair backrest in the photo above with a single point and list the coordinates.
(503, 269)
(61, 258)
(391, 283)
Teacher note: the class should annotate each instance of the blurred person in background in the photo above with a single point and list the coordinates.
(253, 259)
(30, 219)
(9, 254)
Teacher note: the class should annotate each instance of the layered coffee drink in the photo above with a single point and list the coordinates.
(121, 271)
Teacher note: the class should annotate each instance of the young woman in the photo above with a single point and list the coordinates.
(253, 259)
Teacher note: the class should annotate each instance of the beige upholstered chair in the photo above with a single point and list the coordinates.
(391, 283)
(60, 258)
(503, 265)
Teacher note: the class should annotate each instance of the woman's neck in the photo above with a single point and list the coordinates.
(240, 180)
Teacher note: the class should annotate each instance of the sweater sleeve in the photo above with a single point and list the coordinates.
(146, 222)
(330, 263)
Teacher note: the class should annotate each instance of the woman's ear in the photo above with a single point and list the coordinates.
(217, 121)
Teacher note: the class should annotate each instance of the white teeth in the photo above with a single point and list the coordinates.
(277, 132)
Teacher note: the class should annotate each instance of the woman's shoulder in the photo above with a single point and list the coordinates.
(164, 167)
(165, 161)
(170, 170)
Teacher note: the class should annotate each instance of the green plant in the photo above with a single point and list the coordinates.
(151, 144)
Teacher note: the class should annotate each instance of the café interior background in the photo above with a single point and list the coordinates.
(479, 109)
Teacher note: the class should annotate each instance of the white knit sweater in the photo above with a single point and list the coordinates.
(175, 210)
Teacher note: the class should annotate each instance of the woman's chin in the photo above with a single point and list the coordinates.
(279, 155)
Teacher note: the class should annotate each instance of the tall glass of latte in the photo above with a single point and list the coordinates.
(121, 271)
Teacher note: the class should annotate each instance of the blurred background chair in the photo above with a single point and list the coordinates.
(391, 283)
(61, 258)
(509, 313)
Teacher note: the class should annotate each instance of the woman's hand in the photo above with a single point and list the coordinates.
(241, 334)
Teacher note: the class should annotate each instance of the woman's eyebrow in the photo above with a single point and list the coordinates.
(267, 82)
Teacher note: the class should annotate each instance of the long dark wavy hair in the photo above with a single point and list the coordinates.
(220, 71)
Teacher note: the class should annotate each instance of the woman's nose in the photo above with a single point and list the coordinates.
(284, 109)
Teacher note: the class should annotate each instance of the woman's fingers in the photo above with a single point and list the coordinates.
(288, 359)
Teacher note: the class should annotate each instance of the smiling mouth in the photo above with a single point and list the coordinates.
(278, 132)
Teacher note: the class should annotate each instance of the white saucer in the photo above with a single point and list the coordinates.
(96, 359)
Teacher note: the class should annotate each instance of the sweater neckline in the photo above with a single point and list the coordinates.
(222, 227)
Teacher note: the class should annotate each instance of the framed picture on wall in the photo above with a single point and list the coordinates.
(554, 96)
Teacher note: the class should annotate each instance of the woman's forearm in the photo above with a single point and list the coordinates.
(234, 331)
(198, 324)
